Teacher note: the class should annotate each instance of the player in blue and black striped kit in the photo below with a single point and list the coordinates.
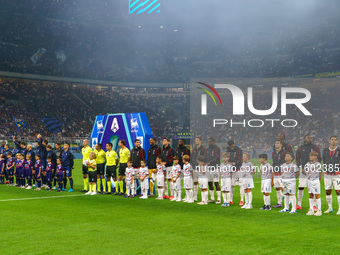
(41, 150)
(67, 161)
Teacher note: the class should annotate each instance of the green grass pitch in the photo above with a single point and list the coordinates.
(106, 224)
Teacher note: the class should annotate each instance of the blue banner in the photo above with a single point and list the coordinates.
(98, 129)
(52, 124)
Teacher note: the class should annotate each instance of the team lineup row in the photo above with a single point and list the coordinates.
(168, 158)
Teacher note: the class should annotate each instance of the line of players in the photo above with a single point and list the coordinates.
(27, 169)
(211, 154)
(282, 178)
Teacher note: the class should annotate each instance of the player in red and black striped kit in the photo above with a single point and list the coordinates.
(213, 159)
(197, 151)
(302, 158)
(235, 160)
(167, 160)
(331, 162)
(137, 154)
(278, 156)
(153, 152)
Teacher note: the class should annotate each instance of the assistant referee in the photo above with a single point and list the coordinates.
(124, 156)
(111, 164)
(100, 156)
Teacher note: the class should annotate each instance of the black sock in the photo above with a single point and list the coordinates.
(65, 182)
(29, 182)
(60, 184)
(50, 185)
(39, 184)
(71, 183)
(54, 182)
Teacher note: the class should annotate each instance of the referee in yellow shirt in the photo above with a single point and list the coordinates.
(100, 158)
(86, 150)
(111, 164)
(124, 156)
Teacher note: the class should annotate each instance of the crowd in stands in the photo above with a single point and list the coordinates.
(168, 113)
(95, 45)
(76, 108)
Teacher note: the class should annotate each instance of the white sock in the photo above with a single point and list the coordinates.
(145, 193)
(279, 196)
(339, 202)
(218, 195)
(171, 188)
(242, 193)
(265, 199)
(311, 203)
(175, 194)
(329, 201)
(166, 190)
(128, 192)
(318, 202)
(247, 198)
(293, 199)
(186, 195)
(300, 195)
(224, 196)
(315, 202)
(179, 194)
(228, 197)
(202, 195)
(268, 200)
(212, 194)
(231, 194)
(195, 191)
(206, 196)
(287, 202)
(191, 195)
(250, 198)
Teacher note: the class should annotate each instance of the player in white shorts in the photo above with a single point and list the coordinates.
(203, 179)
(266, 181)
(331, 164)
(226, 175)
(247, 170)
(144, 179)
(160, 177)
(290, 172)
(129, 179)
(176, 180)
(188, 180)
(313, 170)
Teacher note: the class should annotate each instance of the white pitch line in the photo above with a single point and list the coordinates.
(30, 198)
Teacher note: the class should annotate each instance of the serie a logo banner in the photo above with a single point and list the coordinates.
(144, 6)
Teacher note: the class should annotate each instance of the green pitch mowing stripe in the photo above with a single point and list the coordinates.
(30, 198)
(106, 224)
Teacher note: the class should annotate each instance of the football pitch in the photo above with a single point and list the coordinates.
(47, 222)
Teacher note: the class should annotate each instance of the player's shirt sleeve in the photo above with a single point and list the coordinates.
(298, 156)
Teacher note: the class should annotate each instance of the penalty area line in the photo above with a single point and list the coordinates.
(31, 198)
